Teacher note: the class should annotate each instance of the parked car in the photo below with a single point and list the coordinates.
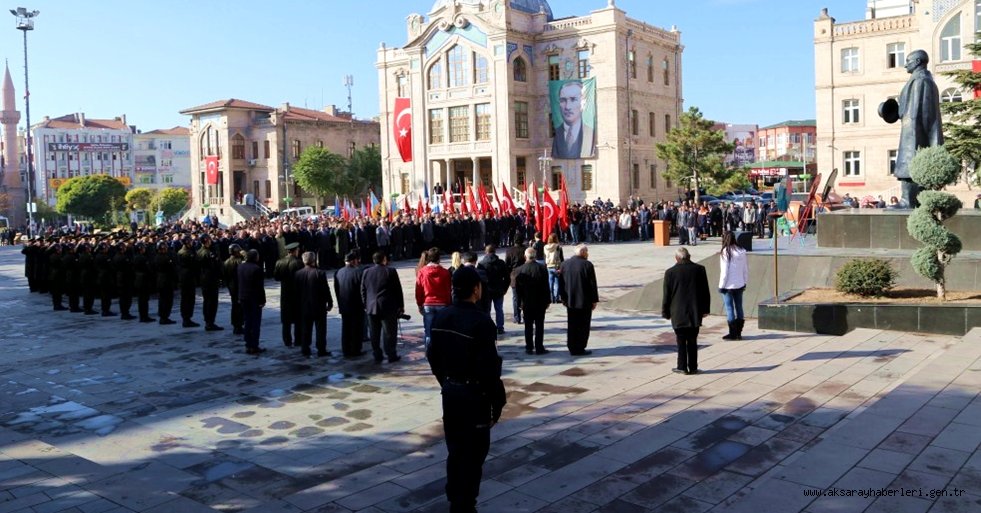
(766, 197)
(299, 212)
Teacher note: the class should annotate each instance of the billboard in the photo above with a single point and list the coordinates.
(573, 107)
(744, 139)
(88, 146)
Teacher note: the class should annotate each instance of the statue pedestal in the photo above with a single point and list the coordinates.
(873, 228)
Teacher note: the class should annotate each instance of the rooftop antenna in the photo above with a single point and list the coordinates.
(349, 84)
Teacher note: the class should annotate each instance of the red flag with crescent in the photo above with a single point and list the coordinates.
(550, 213)
(403, 128)
(507, 204)
(211, 170)
(563, 204)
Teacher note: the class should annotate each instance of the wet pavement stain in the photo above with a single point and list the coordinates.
(282, 424)
(333, 422)
(250, 400)
(341, 407)
(295, 398)
(575, 371)
(360, 400)
(716, 431)
(359, 414)
(252, 433)
(315, 417)
(366, 389)
(360, 426)
(224, 426)
(276, 440)
(243, 414)
(553, 389)
(306, 432)
(710, 461)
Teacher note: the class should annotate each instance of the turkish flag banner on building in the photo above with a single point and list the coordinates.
(211, 170)
(403, 128)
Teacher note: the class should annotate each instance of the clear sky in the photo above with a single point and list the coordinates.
(745, 61)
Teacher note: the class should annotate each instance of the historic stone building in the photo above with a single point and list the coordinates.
(860, 64)
(471, 94)
(256, 145)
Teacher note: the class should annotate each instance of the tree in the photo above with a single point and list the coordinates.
(139, 198)
(695, 153)
(90, 196)
(321, 172)
(962, 123)
(364, 171)
(934, 168)
(171, 201)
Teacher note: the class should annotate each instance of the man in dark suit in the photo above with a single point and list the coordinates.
(210, 266)
(531, 285)
(580, 295)
(315, 302)
(252, 296)
(381, 292)
(514, 257)
(686, 301)
(347, 286)
(285, 274)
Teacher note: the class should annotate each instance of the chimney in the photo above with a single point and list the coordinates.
(285, 106)
(123, 119)
(80, 116)
(331, 109)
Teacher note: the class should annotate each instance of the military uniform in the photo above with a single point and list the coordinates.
(230, 276)
(122, 264)
(56, 276)
(69, 264)
(165, 270)
(285, 274)
(463, 357)
(88, 279)
(211, 269)
(188, 278)
(144, 282)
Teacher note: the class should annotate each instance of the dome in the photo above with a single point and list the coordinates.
(528, 6)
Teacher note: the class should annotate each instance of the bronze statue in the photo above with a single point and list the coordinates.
(919, 108)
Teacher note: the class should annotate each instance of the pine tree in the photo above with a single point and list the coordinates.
(695, 153)
(962, 120)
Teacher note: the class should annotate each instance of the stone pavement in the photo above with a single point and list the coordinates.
(100, 415)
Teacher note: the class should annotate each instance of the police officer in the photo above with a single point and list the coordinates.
(285, 274)
(188, 277)
(69, 263)
(463, 357)
(210, 265)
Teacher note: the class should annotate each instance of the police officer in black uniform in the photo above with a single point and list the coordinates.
(209, 263)
(188, 277)
(463, 357)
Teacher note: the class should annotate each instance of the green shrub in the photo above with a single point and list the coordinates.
(871, 277)
(934, 168)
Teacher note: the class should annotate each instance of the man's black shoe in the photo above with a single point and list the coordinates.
(167, 321)
(255, 350)
(127, 317)
(60, 308)
(76, 310)
(529, 351)
(689, 373)
(90, 312)
(378, 360)
(500, 331)
(213, 327)
(394, 359)
(148, 319)
(322, 354)
(679, 371)
(190, 324)
(542, 351)
(238, 331)
(108, 314)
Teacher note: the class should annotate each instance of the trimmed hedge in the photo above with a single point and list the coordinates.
(866, 277)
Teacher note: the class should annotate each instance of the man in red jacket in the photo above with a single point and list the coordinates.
(433, 284)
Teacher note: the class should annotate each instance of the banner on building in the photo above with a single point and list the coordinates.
(403, 128)
(88, 146)
(573, 107)
(211, 170)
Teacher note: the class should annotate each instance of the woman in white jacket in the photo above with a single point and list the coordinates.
(734, 272)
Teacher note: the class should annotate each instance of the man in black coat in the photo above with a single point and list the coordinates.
(463, 357)
(230, 277)
(106, 278)
(285, 274)
(210, 265)
(188, 277)
(252, 296)
(686, 301)
(122, 263)
(165, 272)
(315, 302)
(347, 286)
(144, 281)
(580, 295)
(381, 292)
(514, 257)
(531, 285)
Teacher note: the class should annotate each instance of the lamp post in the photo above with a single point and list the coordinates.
(544, 163)
(25, 22)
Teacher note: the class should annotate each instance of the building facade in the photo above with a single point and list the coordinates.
(162, 158)
(256, 146)
(73, 145)
(496, 91)
(860, 64)
(12, 162)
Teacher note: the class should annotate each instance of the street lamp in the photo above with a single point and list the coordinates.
(544, 163)
(25, 22)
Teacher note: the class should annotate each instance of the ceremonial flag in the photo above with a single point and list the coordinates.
(485, 203)
(550, 213)
(463, 203)
(375, 204)
(211, 169)
(403, 128)
(507, 204)
(406, 208)
(383, 207)
(448, 200)
(364, 209)
(420, 211)
(347, 210)
(527, 203)
(563, 204)
(474, 207)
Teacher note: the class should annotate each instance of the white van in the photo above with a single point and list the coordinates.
(299, 212)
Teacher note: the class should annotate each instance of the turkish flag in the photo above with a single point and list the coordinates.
(507, 204)
(474, 206)
(527, 203)
(447, 201)
(420, 211)
(550, 213)
(563, 205)
(485, 202)
(976, 67)
(403, 128)
(211, 170)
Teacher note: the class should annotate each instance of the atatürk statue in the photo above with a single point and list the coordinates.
(919, 108)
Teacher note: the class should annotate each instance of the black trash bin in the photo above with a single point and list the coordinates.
(744, 240)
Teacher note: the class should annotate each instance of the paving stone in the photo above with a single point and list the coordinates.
(718, 487)
(855, 479)
(938, 460)
(961, 437)
(885, 460)
(823, 464)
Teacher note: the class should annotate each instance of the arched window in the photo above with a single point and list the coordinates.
(209, 143)
(650, 68)
(238, 147)
(951, 95)
(520, 70)
(481, 71)
(435, 80)
(456, 66)
(950, 40)
(666, 67)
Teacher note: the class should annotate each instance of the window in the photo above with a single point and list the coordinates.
(352, 147)
(849, 111)
(520, 70)
(402, 83)
(255, 149)
(951, 95)
(650, 68)
(652, 123)
(583, 58)
(166, 178)
(435, 75)
(456, 66)
(436, 126)
(553, 67)
(481, 71)
(296, 148)
(653, 176)
(556, 178)
(265, 148)
(238, 147)
(634, 122)
(146, 179)
(635, 177)
(483, 111)
(977, 16)
(667, 71)
(892, 161)
(950, 40)
(405, 183)
(587, 177)
(521, 120)
(667, 123)
(895, 55)
(520, 168)
(320, 143)
(268, 189)
(849, 60)
(853, 163)
(632, 63)
(459, 124)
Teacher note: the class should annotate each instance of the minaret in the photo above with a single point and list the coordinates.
(9, 117)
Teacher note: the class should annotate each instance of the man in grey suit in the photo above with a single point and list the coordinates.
(685, 302)
(381, 292)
